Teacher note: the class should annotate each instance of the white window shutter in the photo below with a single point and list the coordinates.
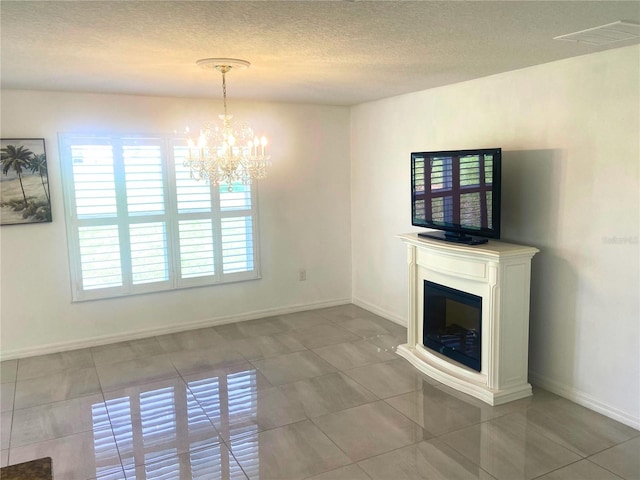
(137, 222)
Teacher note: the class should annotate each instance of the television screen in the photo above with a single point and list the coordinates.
(458, 193)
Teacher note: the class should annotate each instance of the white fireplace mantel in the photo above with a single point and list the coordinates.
(499, 273)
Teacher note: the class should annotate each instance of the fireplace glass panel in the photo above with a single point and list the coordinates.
(452, 324)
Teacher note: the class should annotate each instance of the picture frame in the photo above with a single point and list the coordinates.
(24, 182)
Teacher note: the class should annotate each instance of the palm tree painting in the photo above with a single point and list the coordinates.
(24, 182)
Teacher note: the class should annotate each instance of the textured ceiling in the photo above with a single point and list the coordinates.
(334, 52)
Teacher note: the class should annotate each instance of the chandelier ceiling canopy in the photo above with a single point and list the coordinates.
(226, 152)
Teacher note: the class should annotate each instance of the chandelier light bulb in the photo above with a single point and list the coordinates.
(263, 143)
(202, 141)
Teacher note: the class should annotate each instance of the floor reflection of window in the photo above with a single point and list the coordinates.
(158, 423)
(106, 452)
(231, 402)
(151, 429)
(246, 451)
(212, 462)
(243, 408)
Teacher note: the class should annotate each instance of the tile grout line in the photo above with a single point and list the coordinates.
(106, 409)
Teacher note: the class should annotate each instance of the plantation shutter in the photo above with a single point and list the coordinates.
(94, 209)
(236, 228)
(196, 226)
(144, 183)
(137, 222)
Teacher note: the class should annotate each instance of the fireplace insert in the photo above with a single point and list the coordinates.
(452, 324)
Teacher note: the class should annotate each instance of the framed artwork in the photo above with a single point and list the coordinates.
(24, 184)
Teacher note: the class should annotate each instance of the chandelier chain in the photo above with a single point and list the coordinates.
(224, 92)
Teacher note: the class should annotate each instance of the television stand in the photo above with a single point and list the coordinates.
(454, 237)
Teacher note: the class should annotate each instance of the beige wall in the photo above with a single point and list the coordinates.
(569, 131)
(304, 223)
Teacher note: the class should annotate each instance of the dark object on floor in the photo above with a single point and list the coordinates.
(34, 470)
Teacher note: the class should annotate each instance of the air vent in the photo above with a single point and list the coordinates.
(605, 34)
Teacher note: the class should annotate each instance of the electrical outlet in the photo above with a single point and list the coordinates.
(302, 275)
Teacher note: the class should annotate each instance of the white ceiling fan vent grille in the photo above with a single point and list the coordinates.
(604, 34)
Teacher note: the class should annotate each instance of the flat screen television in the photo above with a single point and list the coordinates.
(457, 192)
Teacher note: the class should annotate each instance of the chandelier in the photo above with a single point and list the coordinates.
(225, 151)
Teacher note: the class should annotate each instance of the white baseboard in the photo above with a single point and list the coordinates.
(380, 312)
(150, 332)
(584, 399)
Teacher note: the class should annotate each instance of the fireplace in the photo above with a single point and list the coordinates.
(452, 324)
(468, 318)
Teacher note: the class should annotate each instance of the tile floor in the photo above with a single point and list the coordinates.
(317, 394)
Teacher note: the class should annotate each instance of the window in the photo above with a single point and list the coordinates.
(137, 222)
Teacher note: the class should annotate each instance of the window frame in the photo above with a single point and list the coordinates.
(171, 218)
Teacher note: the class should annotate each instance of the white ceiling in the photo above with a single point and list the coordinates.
(326, 52)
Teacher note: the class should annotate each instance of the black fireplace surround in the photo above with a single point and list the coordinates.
(452, 324)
